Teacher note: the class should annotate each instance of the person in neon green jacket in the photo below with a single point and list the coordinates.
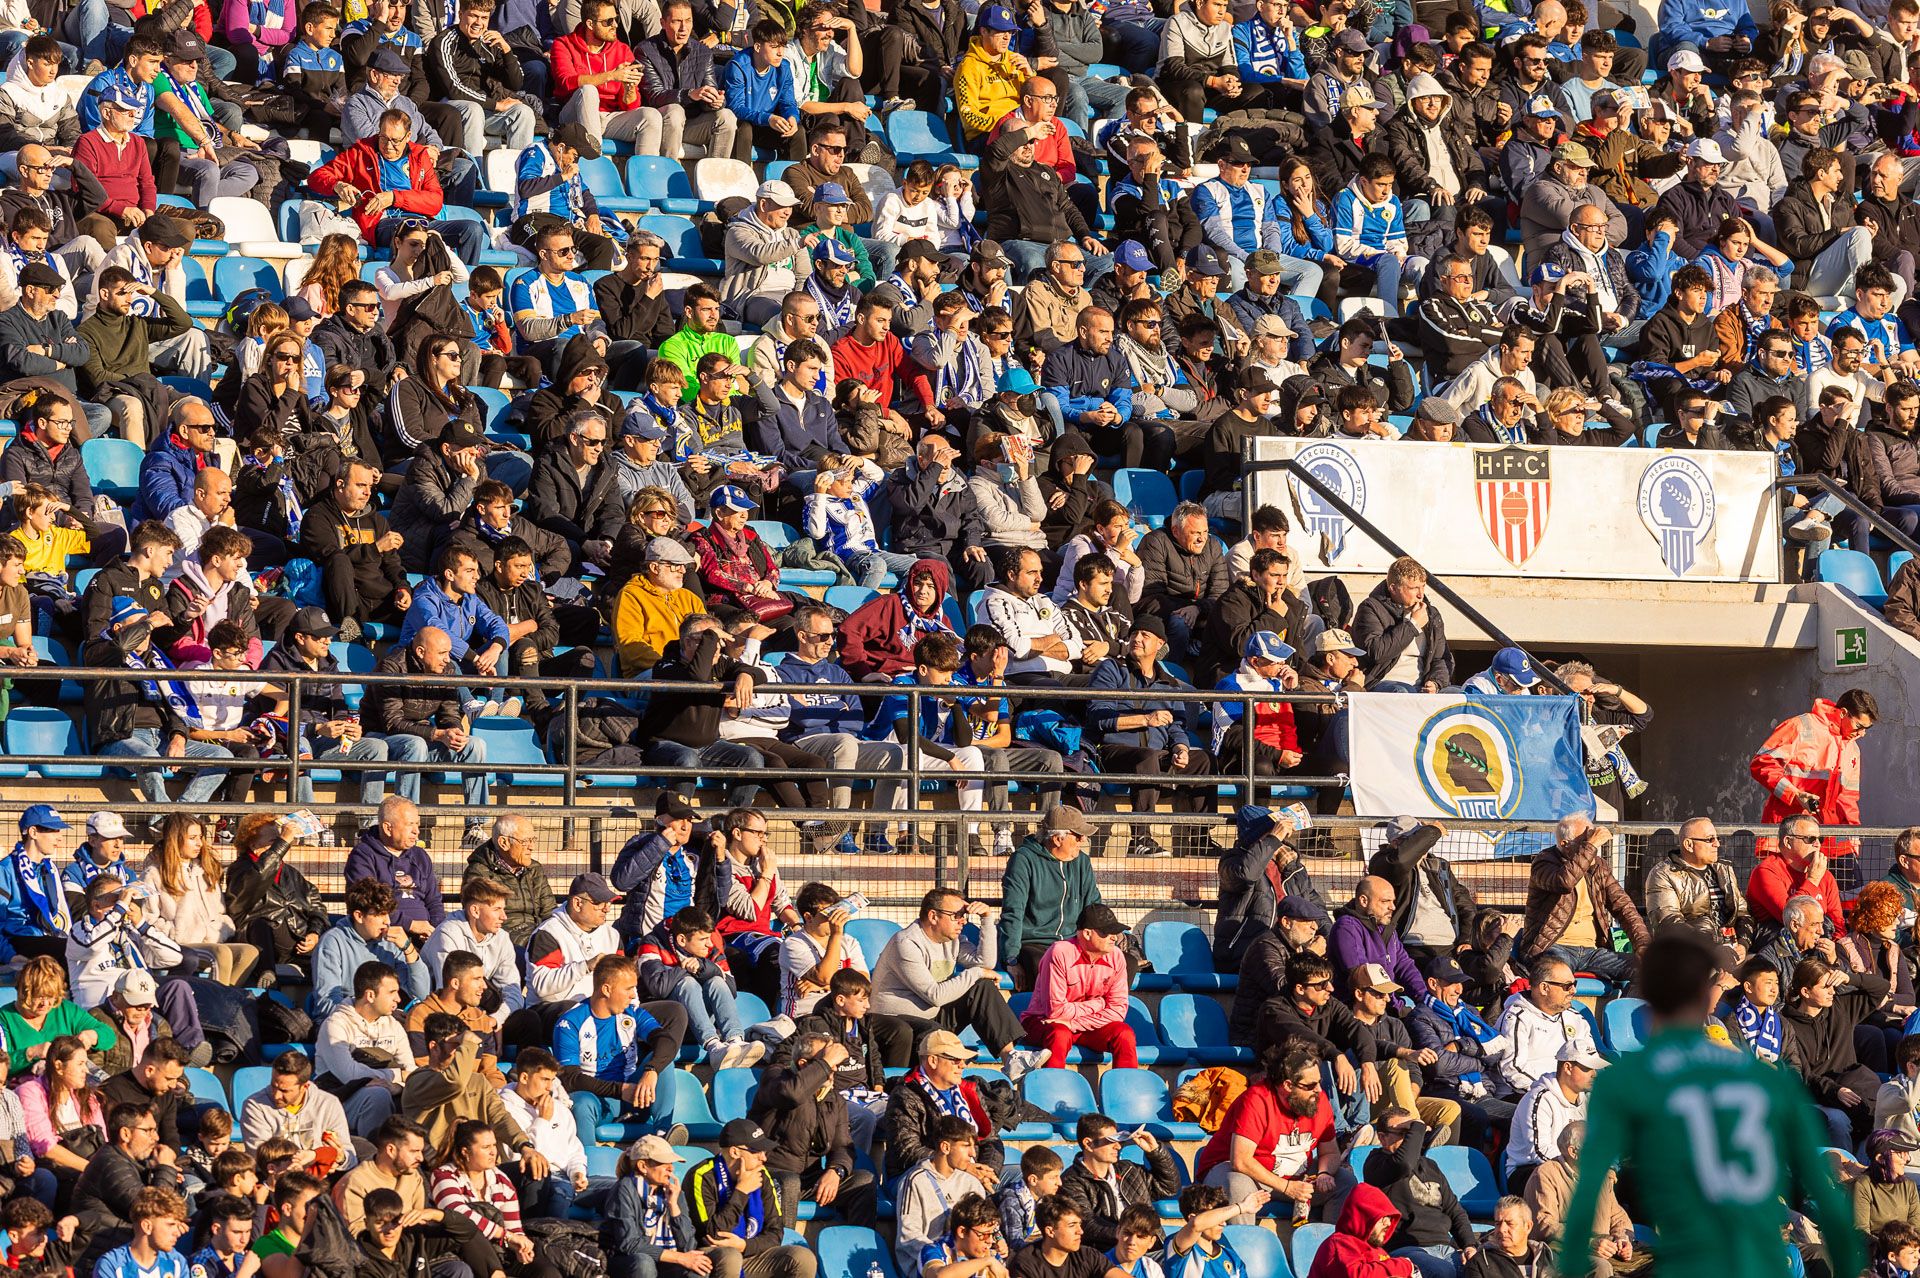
(1717, 1141)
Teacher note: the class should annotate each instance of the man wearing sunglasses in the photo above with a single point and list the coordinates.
(1538, 1024)
(1574, 904)
(1692, 885)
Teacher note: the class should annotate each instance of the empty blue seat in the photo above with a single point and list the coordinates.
(247, 1081)
(752, 1008)
(924, 136)
(1147, 493)
(1062, 1093)
(201, 302)
(664, 184)
(1260, 1250)
(1182, 952)
(608, 187)
(113, 467)
(511, 741)
(602, 1160)
(46, 730)
(233, 276)
(733, 1091)
(1624, 1021)
(497, 402)
(205, 1087)
(1895, 561)
(1853, 571)
(1194, 1027)
(1306, 1244)
(776, 535)
(851, 1251)
(848, 598)
(1140, 1098)
(873, 934)
(1471, 1177)
(684, 251)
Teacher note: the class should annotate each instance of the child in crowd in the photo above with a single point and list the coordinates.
(840, 522)
(48, 536)
(37, 1246)
(493, 333)
(1040, 1173)
(1200, 1244)
(682, 960)
(1756, 1017)
(1138, 1239)
(931, 1187)
(267, 319)
(1896, 1250)
(861, 1078)
(199, 1165)
(931, 204)
(16, 616)
(229, 1224)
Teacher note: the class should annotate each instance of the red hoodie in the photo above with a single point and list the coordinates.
(879, 637)
(1350, 1252)
(572, 59)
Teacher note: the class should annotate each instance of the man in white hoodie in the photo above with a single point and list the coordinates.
(1539, 1023)
(1555, 1099)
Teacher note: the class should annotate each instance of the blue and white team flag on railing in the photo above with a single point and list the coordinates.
(1467, 757)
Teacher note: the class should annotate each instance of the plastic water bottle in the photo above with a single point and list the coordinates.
(875, 1271)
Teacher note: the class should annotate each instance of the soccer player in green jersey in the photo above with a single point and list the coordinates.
(1714, 1138)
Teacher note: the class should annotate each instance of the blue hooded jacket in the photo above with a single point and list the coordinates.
(470, 623)
(1698, 21)
(166, 478)
(1650, 268)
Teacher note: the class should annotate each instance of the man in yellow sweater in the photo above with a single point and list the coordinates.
(986, 84)
(647, 616)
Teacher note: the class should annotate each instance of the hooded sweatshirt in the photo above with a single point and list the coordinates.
(1042, 896)
(410, 873)
(1349, 1252)
(30, 113)
(879, 637)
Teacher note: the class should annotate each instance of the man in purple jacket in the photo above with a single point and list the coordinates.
(390, 851)
(1363, 933)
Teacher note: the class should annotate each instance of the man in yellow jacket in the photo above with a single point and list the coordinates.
(986, 84)
(648, 613)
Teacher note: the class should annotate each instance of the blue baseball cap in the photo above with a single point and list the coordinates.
(124, 98)
(830, 193)
(1264, 645)
(1017, 381)
(1204, 259)
(124, 606)
(642, 426)
(731, 497)
(830, 252)
(1547, 273)
(41, 816)
(997, 17)
(1540, 106)
(1132, 255)
(1514, 664)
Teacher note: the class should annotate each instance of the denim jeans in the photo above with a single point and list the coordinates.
(1828, 505)
(1432, 1262)
(404, 747)
(870, 567)
(1602, 963)
(1084, 93)
(712, 1015)
(555, 1196)
(589, 1111)
(1030, 258)
(145, 743)
(721, 754)
(373, 784)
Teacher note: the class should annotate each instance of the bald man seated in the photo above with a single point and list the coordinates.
(1363, 933)
(428, 723)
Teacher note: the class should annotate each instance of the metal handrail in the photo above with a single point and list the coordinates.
(1878, 522)
(1250, 466)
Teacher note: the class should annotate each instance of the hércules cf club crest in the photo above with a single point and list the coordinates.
(1515, 489)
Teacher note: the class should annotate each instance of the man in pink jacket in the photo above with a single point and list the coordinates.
(1080, 994)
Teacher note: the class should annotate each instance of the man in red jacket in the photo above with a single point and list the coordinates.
(596, 80)
(385, 181)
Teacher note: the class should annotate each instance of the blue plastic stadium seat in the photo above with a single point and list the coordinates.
(233, 276)
(205, 1087)
(1853, 571)
(1195, 1029)
(684, 250)
(511, 741)
(113, 467)
(1471, 1177)
(1624, 1020)
(1306, 1244)
(1182, 951)
(201, 301)
(1140, 1098)
(247, 1081)
(850, 1251)
(1147, 493)
(733, 1091)
(497, 402)
(602, 1160)
(752, 1008)
(609, 189)
(776, 535)
(848, 598)
(1895, 561)
(1063, 1093)
(924, 136)
(872, 934)
(664, 185)
(49, 731)
(1260, 1249)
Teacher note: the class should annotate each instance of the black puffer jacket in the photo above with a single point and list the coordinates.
(1139, 1187)
(26, 461)
(806, 1129)
(580, 510)
(411, 709)
(268, 888)
(1405, 145)
(1381, 627)
(429, 504)
(1249, 899)
(1897, 458)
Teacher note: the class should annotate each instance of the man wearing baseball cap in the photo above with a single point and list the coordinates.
(34, 918)
(765, 256)
(102, 852)
(733, 1196)
(1265, 665)
(1080, 991)
(328, 728)
(1555, 1099)
(638, 464)
(1510, 672)
(563, 949)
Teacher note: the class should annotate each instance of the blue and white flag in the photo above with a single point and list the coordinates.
(1467, 757)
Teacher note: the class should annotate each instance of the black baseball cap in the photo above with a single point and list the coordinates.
(744, 1133)
(313, 621)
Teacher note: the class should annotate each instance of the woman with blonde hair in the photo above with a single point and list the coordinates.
(184, 902)
(43, 1012)
(335, 262)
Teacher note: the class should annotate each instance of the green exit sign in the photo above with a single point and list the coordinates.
(1850, 646)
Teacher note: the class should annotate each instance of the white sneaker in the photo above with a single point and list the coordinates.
(730, 1054)
(1022, 1061)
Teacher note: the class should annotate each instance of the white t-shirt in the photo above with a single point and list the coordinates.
(800, 954)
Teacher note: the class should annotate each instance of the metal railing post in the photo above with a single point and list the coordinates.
(1247, 750)
(293, 741)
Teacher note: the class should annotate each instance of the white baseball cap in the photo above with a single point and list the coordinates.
(107, 825)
